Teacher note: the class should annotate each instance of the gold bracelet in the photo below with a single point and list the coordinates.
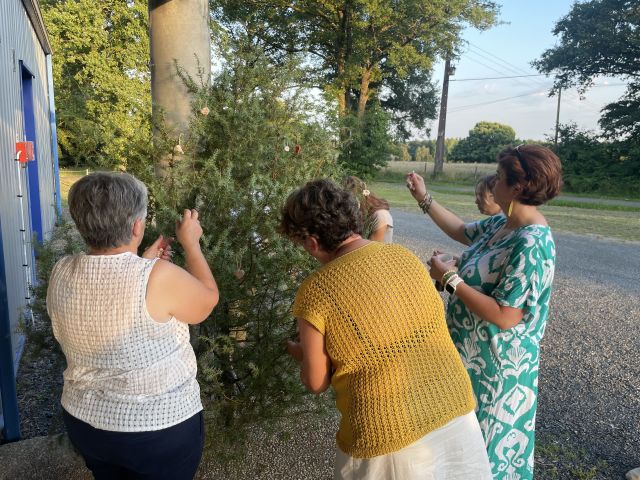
(446, 276)
(425, 203)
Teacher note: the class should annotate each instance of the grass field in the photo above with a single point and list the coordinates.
(613, 223)
(68, 177)
(452, 173)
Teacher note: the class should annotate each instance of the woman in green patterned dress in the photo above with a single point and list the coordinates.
(500, 299)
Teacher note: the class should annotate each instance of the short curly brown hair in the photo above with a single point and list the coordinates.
(323, 210)
(536, 169)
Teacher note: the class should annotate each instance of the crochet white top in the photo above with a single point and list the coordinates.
(125, 371)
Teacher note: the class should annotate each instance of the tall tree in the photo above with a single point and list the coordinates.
(101, 73)
(365, 49)
(483, 144)
(600, 38)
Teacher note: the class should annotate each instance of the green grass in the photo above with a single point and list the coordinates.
(592, 206)
(604, 221)
(68, 177)
(555, 461)
(469, 174)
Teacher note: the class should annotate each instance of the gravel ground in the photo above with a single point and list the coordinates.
(589, 405)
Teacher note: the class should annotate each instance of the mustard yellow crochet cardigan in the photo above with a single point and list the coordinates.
(397, 373)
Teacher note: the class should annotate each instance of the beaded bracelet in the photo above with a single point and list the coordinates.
(425, 203)
(447, 276)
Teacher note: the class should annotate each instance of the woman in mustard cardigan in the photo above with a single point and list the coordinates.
(372, 325)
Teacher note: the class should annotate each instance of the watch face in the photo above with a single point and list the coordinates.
(450, 289)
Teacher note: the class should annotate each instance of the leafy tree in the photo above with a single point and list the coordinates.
(600, 38)
(423, 154)
(591, 164)
(483, 144)
(367, 145)
(101, 74)
(253, 140)
(364, 53)
(449, 145)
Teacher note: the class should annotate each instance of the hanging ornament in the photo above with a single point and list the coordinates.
(204, 111)
(177, 150)
(297, 149)
(239, 273)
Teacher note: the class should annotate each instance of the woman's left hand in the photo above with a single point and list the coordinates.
(438, 267)
(161, 248)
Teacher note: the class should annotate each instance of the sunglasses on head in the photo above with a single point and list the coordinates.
(521, 159)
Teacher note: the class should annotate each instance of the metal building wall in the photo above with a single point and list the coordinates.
(19, 42)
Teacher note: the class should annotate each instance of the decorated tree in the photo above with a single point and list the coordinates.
(255, 136)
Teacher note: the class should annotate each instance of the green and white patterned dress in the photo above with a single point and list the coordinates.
(517, 270)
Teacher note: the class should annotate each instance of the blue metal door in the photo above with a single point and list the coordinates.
(33, 183)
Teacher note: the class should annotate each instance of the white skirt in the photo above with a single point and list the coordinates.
(453, 452)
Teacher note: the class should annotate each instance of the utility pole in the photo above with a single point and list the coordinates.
(555, 141)
(439, 160)
(179, 35)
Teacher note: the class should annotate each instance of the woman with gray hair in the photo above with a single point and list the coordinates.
(131, 402)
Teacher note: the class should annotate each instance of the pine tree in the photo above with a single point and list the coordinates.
(256, 135)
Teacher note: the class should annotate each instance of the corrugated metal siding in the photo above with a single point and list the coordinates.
(18, 41)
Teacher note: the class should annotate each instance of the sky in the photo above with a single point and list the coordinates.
(507, 50)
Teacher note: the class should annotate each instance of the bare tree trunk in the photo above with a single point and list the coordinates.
(179, 33)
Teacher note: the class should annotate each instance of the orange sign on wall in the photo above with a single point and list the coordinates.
(24, 152)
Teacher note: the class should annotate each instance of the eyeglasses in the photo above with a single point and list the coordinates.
(521, 159)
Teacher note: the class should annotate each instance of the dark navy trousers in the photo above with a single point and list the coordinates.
(172, 453)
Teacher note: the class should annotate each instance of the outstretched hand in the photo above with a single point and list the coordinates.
(188, 230)
(416, 185)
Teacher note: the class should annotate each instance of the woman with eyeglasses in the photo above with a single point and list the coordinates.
(499, 300)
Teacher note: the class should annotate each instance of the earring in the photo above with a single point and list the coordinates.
(510, 209)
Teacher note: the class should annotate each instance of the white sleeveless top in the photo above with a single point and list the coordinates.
(125, 371)
(383, 217)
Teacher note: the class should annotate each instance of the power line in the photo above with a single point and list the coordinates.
(495, 78)
(508, 64)
(466, 107)
(517, 69)
(500, 72)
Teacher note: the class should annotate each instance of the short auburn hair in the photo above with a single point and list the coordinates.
(536, 169)
(323, 210)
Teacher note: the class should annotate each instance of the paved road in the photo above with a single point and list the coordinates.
(589, 373)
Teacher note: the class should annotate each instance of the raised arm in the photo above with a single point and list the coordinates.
(189, 295)
(446, 220)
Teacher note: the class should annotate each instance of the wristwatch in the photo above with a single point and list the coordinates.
(452, 284)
